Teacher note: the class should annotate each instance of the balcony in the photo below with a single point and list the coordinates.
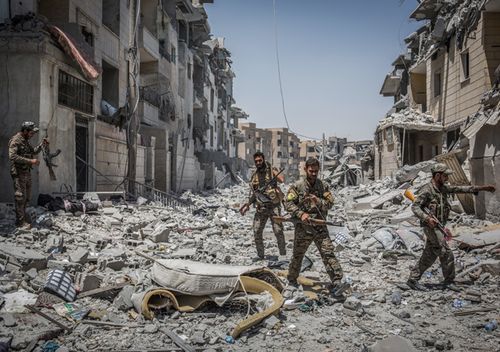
(149, 46)
(111, 47)
(149, 104)
(238, 135)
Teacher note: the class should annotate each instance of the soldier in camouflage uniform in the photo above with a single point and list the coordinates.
(267, 203)
(311, 198)
(434, 196)
(21, 162)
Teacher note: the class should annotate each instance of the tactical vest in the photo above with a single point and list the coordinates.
(259, 179)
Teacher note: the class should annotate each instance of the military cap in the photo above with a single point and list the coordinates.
(29, 126)
(440, 167)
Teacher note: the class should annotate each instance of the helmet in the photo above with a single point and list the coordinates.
(442, 168)
(29, 126)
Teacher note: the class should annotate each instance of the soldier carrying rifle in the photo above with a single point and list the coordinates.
(431, 206)
(267, 196)
(306, 200)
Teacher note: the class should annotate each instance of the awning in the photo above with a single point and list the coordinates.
(70, 46)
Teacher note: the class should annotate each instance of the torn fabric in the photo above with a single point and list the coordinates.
(89, 68)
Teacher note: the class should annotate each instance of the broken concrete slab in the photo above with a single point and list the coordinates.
(477, 240)
(23, 257)
(80, 255)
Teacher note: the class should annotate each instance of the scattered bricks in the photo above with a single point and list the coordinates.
(79, 256)
(133, 243)
(23, 257)
(99, 242)
(54, 244)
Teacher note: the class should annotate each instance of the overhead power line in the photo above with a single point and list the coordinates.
(279, 76)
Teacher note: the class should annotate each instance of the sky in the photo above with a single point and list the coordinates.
(333, 55)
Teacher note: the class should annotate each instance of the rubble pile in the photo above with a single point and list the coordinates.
(93, 280)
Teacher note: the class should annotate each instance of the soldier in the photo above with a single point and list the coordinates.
(267, 202)
(21, 162)
(306, 199)
(434, 196)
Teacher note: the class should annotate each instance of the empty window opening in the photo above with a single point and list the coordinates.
(465, 65)
(437, 84)
(111, 15)
(110, 84)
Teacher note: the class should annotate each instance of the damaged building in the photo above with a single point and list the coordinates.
(444, 93)
(132, 92)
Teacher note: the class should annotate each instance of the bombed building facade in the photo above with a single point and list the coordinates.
(445, 92)
(135, 94)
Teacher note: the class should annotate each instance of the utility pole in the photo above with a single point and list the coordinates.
(133, 60)
(323, 144)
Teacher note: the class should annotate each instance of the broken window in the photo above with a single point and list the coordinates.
(110, 84)
(88, 36)
(75, 93)
(189, 69)
(279, 154)
(437, 84)
(310, 149)
(279, 142)
(173, 54)
(111, 15)
(212, 93)
(464, 58)
(452, 138)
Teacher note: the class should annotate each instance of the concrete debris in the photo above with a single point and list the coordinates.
(193, 274)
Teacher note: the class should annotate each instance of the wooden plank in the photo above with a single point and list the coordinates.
(102, 290)
(177, 340)
(458, 178)
(43, 315)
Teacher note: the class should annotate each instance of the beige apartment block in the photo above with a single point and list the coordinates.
(437, 85)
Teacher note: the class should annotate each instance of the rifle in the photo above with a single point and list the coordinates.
(48, 156)
(446, 232)
(259, 191)
(311, 221)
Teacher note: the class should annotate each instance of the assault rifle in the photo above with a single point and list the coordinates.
(259, 192)
(446, 232)
(310, 221)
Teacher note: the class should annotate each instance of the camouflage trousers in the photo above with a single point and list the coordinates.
(22, 195)
(435, 247)
(259, 223)
(303, 239)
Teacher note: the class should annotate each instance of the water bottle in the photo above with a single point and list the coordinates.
(492, 325)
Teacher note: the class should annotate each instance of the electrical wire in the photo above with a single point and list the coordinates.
(279, 77)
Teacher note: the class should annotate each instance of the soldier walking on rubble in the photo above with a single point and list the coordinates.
(267, 202)
(434, 197)
(307, 199)
(21, 159)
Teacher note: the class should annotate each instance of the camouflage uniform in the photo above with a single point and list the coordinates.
(267, 206)
(297, 205)
(436, 200)
(20, 154)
